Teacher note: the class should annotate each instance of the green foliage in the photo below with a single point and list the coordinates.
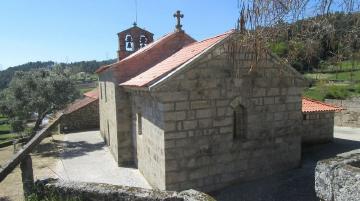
(88, 67)
(311, 40)
(38, 92)
(337, 92)
(17, 125)
(280, 48)
(6, 75)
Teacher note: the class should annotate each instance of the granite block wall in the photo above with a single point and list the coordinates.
(201, 151)
(148, 138)
(85, 118)
(350, 116)
(115, 118)
(317, 127)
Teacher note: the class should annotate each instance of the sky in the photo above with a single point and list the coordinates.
(77, 30)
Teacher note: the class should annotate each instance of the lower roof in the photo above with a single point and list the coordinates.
(310, 105)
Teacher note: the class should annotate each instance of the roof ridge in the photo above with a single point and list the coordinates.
(149, 46)
(217, 36)
(139, 52)
(177, 59)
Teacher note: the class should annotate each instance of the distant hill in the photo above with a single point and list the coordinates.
(75, 67)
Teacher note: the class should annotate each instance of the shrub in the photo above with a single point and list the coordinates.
(337, 92)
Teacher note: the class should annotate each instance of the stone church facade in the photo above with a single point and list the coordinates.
(199, 115)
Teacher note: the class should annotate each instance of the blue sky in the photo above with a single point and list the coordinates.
(75, 30)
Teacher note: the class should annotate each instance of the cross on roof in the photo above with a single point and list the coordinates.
(178, 15)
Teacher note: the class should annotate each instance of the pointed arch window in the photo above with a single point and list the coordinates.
(129, 43)
(240, 122)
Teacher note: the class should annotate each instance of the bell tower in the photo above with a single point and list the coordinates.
(133, 39)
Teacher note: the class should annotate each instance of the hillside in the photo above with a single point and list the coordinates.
(87, 67)
(316, 43)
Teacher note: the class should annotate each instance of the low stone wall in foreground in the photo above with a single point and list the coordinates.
(338, 179)
(67, 190)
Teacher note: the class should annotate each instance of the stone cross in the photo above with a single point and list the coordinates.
(178, 15)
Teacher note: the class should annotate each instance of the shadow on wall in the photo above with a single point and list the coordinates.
(5, 199)
(66, 149)
(297, 184)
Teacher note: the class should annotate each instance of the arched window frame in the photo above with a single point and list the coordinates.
(243, 104)
(240, 122)
(127, 41)
(143, 44)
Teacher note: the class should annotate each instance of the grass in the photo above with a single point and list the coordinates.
(323, 91)
(7, 137)
(340, 66)
(5, 127)
(318, 76)
(5, 131)
(343, 76)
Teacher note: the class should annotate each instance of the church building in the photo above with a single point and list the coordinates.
(198, 114)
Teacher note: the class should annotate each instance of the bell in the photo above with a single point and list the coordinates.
(128, 39)
(129, 45)
(143, 39)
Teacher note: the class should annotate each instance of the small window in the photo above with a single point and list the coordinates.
(143, 41)
(240, 122)
(108, 132)
(105, 92)
(304, 117)
(139, 123)
(101, 94)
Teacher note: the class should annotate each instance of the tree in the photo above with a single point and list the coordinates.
(38, 93)
(312, 23)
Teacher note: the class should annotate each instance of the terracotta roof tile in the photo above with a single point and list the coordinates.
(309, 105)
(90, 97)
(78, 104)
(173, 62)
(156, 45)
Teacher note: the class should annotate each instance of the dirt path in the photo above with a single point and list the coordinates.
(44, 162)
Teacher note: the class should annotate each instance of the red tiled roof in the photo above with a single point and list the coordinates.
(173, 62)
(309, 105)
(78, 104)
(90, 97)
(152, 52)
(93, 93)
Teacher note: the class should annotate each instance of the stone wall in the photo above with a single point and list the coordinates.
(338, 178)
(350, 116)
(149, 141)
(85, 118)
(318, 127)
(107, 192)
(115, 118)
(201, 151)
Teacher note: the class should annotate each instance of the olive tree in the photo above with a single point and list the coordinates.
(36, 93)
